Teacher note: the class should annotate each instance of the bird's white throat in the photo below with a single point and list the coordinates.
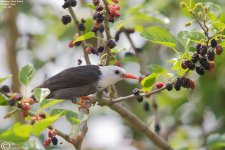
(108, 76)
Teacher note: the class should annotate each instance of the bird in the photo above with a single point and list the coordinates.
(84, 80)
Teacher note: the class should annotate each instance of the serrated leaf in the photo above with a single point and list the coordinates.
(159, 35)
(48, 103)
(148, 82)
(41, 125)
(18, 133)
(157, 69)
(5, 78)
(85, 37)
(41, 93)
(26, 74)
(3, 100)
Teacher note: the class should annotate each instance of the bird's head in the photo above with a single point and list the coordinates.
(112, 74)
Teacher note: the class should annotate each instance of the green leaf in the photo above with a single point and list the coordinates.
(57, 111)
(48, 103)
(26, 74)
(90, 6)
(3, 100)
(5, 78)
(159, 35)
(85, 37)
(148, 82)
(157, 69)
(214, 8)
(41, 125)
(216, 141)
(72, 117)
(41, 93)
(18, 133)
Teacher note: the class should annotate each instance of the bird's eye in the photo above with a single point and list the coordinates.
(117, 72)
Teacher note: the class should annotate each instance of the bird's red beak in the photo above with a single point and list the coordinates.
(129, 76)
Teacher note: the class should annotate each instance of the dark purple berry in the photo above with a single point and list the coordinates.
(213, 43)
(157, 128)
(94, 51)
(185, 64)
(73, 3)
(54, 140)
(12, 102)
(195, 57)
(198, 46)
(140, 98)
(77, 43)
(191, 65)
(100, 19)
(100, 49)
(211, 55)
(99, 8)
(66, 5)
(66, 19)
(81, 27)
(203, 50)
(136, 91)
(96, 2)
(219, 49)
(203, 61)
(146, 106)
(101, 28)
(19, 105)
(5, 88)
(41, 114)
(169, 86)
(200, 70)
(79, 61)
(186, 83)
(111, 44)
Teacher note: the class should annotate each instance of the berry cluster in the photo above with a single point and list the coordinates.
(205, 56)
(37, 117)
(51, 138)
(136, 92)
(181, 82)
(114, 11)
(98, 17)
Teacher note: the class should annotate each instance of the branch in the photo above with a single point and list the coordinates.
(138, 123)
(83, 43)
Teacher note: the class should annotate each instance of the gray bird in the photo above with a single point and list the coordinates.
(83, 80)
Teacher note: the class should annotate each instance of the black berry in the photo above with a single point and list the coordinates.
(203, 50)
(186, 83)
(191, 65)
(203, 61)
(140, 99)
(195, 57)
(198, 46)
(73, 3)
(41, 114)
(54, 140)
(157, 128)
(146, 106)
(19, 105)
(5, 88)
(96, 2)
(100, 49)
(81, 27)
(213, 43)
(111, 44)
(66, 19)
(83, 20)
(136, 91)
(200, 70)
(169, 86)
(66, 5)
(185, 64)
(211, 55)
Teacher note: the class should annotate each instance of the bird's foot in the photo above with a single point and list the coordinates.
(87, 98)
(86, 102)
